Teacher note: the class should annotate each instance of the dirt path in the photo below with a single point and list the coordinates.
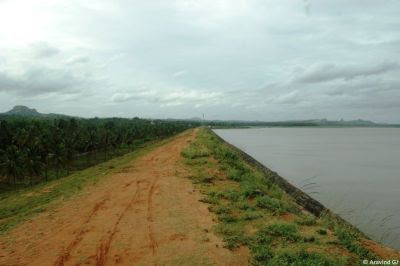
(146, 214)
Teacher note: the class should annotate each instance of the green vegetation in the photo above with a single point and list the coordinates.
(42, 149)
(254, 212)
(19, 205)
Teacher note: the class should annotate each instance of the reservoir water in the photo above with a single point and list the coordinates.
(353, 171)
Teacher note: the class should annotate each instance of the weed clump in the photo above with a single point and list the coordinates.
(251, 215)
(350, 239)
(274, 205)
(194, 151)
(286, 231)
(261, 255)
(303, 258)
(233, 235)
(231, 194)
(307, 220)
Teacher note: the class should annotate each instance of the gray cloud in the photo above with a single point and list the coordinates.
(40, 80)
(43, 50)
(329, 72)
(244, 59)
(170, 98)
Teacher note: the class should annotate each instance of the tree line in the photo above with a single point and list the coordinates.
(33, 150)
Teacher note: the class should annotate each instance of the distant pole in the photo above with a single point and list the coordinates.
(203, 120)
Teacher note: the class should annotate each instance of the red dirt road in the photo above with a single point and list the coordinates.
(146, 214)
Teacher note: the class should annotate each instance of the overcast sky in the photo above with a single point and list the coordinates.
(228, 59)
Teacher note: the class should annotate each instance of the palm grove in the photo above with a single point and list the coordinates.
(33, 150)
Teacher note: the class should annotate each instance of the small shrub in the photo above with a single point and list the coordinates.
(349, 239)
(227, 218)
(243, 205)
(260, 248)
(307, 220)
(293, 208)
(248, 216)
(210, 199)
(261, 238)
(231, 194)
(251, 190)
(197, 161)
(274, 205)
(233, 241)
(261, 255)
(194, 151)
(203, 178)
(222, 209)
(321, 231)
(233, 235)
(287, 231)
(275, 192)
(225, 153)
(234, 174)
(303, 258)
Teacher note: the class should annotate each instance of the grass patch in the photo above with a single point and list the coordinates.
(307, 220)
(303, 258)
(274, 205)
(233, 234)
(350, 239)
(283, 230)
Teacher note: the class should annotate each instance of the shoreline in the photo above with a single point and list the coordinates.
(302, 198)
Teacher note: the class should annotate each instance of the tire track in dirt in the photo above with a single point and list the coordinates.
(104, 248)
(80, 235)
(153, 242)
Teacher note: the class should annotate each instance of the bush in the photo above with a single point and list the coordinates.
(225, 153)
(203, 178)
(287, 231)
(221, 210)
(233, 235)
(303, 258)
(260, 248)
(261, 255)
(261, 238)
(307, 220)
(248, 216)
(275, 192)
(227, 218)
(234, 174)
(231, 194)
(251, 190)
(321, 231)
(243, 205)
(194, 151)
(211, 198)
(275, 205)
(349, 239)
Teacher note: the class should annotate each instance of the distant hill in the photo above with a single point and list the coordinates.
(358, 122)
(21, 110)
(24, 111)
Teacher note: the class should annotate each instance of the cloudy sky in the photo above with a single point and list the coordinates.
(241, 59)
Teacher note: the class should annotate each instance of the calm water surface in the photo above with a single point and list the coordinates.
(353, 171)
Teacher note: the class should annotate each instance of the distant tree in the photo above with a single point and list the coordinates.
(12, 167)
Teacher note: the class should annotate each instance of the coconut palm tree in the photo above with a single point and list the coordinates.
(12, 167)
